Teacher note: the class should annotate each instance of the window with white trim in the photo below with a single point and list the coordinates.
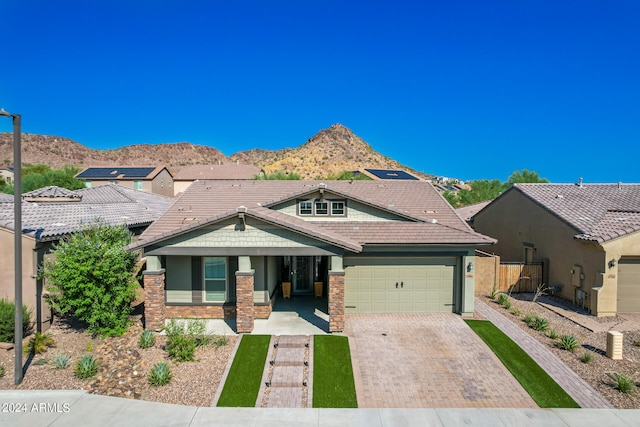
(322, 208)
(337, 208)
(305, 208)
(215, 279)
(137, 185)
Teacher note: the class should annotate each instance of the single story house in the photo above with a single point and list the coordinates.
(49, 214)
(152, 179)
(588, 235)
(187, 175)
(226, 248)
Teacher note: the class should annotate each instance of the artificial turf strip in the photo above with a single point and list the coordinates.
(333, 385)
(540, 386)
(243, 382)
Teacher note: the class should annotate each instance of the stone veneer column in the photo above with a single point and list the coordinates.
(245, 311)
(336, 301)
(154, 300)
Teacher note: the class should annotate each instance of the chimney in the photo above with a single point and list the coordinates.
(619, 185)
(580, 182)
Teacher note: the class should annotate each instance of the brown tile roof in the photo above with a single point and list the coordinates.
(112, 204)
(225, 171)
(423, 215)
(598, 212)
(468, 212)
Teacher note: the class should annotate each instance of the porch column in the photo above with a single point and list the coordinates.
(245, 311)
(153, 295)
(336, 295)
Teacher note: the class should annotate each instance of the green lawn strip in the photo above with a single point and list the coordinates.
(243, 382)
(333, 385)
(540, 386)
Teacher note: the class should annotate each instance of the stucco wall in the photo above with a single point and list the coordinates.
(517, 222)
(628, 246)
(161, 184)
(487, 270)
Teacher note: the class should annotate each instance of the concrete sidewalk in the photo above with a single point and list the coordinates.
(78, 408)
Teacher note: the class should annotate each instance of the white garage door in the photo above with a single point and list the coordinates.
(629, 286)
(407, 285)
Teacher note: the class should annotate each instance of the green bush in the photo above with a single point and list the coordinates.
(551, 333)
(568, 342)
(61, 361)
(502, 298)
(90, 278)
(528, 319)
(622, 382)
(516, 311)
(147, 339)
(586, 357)
(220, 341)
(39, 343)
(183, 338)
(86, 367)
(1, 371)
(540, 324)
(160, 374)
(7, 320)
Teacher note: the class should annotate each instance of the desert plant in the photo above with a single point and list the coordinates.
(507, 304)
(540, 324)
(502, 298)
(220, 341)
(516, 311)
(39, 343)
(86, 367)
(586, 357)
(542, 289)
(622, 382)
(147, 339)
(551, 333)
(528, 319)
(7, 320)
(637, 343)
(90, 346)
(494, 291)
(184, 337)
(1, 371)
(568, 342)
(61, 361)
(160, 374)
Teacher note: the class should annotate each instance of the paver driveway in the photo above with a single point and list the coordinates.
(427, 361)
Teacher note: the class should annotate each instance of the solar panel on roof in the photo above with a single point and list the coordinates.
(115, 172)
(450, 187)
(391, 174)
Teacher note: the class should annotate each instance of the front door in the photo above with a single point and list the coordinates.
(302, 274)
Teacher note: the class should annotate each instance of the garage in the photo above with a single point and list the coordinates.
(401, 285)
(629, 286)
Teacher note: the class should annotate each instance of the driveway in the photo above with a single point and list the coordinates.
(427, 361)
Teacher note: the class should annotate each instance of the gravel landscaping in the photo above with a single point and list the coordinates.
(124, 367)
(596, 372)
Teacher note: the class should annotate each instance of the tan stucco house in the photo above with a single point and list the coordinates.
(227, 249)
(184, 176)
(588, 236)
(49, 214)
(152, 179)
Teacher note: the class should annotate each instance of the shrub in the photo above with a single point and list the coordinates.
(90, 278)
(39, 343)
(61, 361)
(86, 367)
(1, 371)
(637, 343)
(493, 292)
(568, 342)
(622, 382)
(586, 357)
(540, 324)
(184, 337)
(147, 339)
(160, 374)
(516, 311)
(7, 320)
(551, 333)
(528, 319)
(220, 341)
(502, 298)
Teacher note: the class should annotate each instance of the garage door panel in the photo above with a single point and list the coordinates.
(629, 286)
(424, 285)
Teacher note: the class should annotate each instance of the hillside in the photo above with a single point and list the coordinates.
(331, 150)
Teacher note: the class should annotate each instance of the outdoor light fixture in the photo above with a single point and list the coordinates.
(613, 263)
(17, 235)
(470, 267)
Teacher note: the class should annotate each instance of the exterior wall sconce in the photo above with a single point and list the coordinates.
(613, 263)
(470, 267)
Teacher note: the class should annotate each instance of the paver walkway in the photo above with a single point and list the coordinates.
(585, 395)
(427, 361)
(286, 382)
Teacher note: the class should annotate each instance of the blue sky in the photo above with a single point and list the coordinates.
(470, 89)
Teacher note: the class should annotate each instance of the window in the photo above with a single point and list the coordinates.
(87, 184)
(322, 208)
(337, 208)
(137, 185)
(215, 279)
(114, 182)
(306, 208)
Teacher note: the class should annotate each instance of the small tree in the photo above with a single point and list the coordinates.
(90, 278)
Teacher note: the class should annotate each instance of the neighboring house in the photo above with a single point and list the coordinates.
(187, 175)
(468, 212)
(225, 247)
(49, 214)
(6, 172)
(588, 233)
(157, 180)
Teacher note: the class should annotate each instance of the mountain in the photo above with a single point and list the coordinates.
(332, 150)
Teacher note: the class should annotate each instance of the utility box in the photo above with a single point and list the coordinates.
(614, 345)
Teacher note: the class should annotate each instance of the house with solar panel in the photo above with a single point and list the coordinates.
(152, 179)
(51, 213)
